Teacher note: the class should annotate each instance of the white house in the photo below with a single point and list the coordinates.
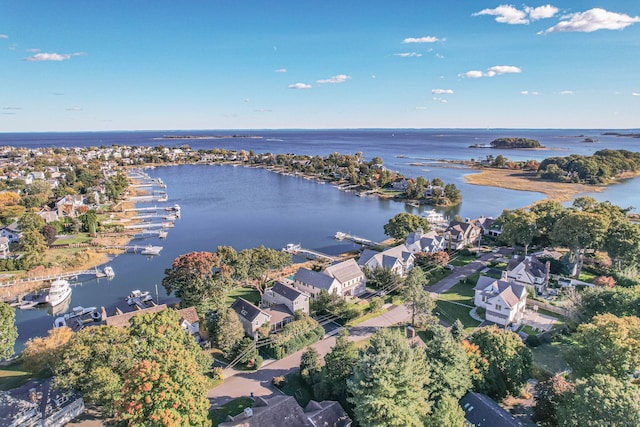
(4, 247)
(504, 302)
(461, 234)
(11, 232)
(398, 259)
(292, 298)
(528, 271)
(344, 278)
(419, 241)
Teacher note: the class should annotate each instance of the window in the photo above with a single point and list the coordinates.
(498, 307)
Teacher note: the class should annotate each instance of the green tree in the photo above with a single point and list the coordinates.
(89, 222)
(229, 332)
(8, 331)
(192, 278)
(622, 243)
(518, 227)
(601, 401)
(549, 394)
(34, 246)
(30, 221)
(578, 231)
(310, 365)
(457, 330)
(404, 223)
(383, 278)
(608, 345)
(416, 297)
(547, 214)
(375, 304)
(453, 194)
(339, 364)
(448, 365)
(389, 386)
(261, 261)
(509, 361)
(447, 413)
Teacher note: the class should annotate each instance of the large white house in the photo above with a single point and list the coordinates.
(528, 271)
(345, 279)
(419, 241)
(398, 259)
(503, 301)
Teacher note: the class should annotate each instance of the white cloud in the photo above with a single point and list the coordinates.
(566, 92)
(491, 72)
(439, 56)
(635, 93)
(408, 54)
(425, 39)
(421, 108)
(541, 12)
(505, 14)
(281, 70)
(12, 108)
(52, 56)
(441, 100)
(473, 74)
(592, 20)
(299, 86)
(4, 36)
(340, 78)
(442, 91)
(33, 50)
(74, 109)
(526, 92)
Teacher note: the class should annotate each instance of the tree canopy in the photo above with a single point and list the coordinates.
(8, 331)
(404, 223)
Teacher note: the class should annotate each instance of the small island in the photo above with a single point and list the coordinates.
(512, 143)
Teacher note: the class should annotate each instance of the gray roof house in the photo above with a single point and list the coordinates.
(284, 411)
(529, 271)
(11, 232)
(504, 302)
(344, 278)
(482, 411)
(419, 241)
(250, 316)
(397, 259)
(461, 234)
(280, 293)
(37, 403)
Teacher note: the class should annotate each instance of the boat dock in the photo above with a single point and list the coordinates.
(295, 249)
(356, 239)
(137, 249)
(107, 272)
(154, 208)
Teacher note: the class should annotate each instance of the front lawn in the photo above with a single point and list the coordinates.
(462, 260)
(449, 312)
(462, 292)
(233, 408)
(437, 274)
(250, 294)
(13, 376)
(295, 386)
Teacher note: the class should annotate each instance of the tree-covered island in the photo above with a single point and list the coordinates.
(510, 143)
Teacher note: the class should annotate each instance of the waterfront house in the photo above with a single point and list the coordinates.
(459, 234)
(488, 226)
(11, 232)
(419, 241)
(39, 403)
(345, 279)
(503, 301)
(251, 317)
(189, 321)
(281, 293)
(398, 259)
(529, 271)
(284, 411)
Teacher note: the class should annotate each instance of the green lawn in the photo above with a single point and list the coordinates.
(462, 260)
(436, 275)
(449, 312)
(364, 317)
(296, 387)
(250, 294)
(549, 357)
(13, 376)
(236, 406)
(72, 240)
(462, 292)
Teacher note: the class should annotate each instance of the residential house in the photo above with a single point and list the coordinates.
(345, 279)
(459, 235)
(529, 271)
(419, 241)
(481, 410)
(488, 225)
(503, 301)
(48, 215)
(38, 403)
(284, 411)
(4, 247)
(251, 317)
(69, 204)
(36, 175)
(398, 259)
(292, 298)
(189, 320)
(11, 232)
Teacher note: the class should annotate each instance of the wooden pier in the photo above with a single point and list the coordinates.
(137, 249)
(356, 239)
(95, 272)
(294, 249)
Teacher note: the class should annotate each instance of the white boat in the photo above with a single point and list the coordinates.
(151, 250)
(434, 217)
(77, 318)
(340, 235)
(108, 271)
(292, 248)
(140, 298)
(59, 291)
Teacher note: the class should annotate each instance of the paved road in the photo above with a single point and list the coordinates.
(259, 382)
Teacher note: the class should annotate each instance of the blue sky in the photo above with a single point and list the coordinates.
(129, 65)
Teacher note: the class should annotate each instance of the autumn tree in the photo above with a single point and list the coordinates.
(509, 361)
(404, 223)
(42, 353)
(8, 331)
(417, 299)
(549, 394)
(607, 345)
(193, 279)
(389, 386)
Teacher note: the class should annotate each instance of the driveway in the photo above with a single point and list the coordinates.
(460, 273)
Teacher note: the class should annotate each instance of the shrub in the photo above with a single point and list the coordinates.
(217, 373)
(279, 381)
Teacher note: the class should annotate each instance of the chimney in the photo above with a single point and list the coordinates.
(248, 412)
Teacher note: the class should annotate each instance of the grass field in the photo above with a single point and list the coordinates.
(462, 293)
(549, 357)
(449, 312)
(13, 376)
(462, 260)
(250, 294)
(236, 406)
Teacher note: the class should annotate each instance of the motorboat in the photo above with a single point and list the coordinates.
(140, 298)
(59, 291)
(78, 317)
(108, 271)
(151, 250)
